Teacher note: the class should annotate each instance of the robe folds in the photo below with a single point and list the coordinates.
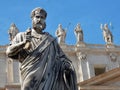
(46, 67)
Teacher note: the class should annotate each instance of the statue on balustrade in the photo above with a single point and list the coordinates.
(61, 34)
(79, 33)
(12, 31)
(44, 66)
(108, 37)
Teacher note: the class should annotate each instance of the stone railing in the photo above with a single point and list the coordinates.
(3, 48)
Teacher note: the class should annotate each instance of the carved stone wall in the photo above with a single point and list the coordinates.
(85, 58)
(9, 72)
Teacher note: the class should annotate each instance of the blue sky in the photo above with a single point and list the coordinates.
(89, 13)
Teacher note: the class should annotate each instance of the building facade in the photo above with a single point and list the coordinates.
(97, 66)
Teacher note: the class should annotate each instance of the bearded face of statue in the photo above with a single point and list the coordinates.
(38, 22)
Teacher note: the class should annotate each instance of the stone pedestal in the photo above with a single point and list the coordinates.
(13, 87)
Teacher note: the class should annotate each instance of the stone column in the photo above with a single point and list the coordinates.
(84, 68)
(113, 62)
(10, 78)
(16, 71)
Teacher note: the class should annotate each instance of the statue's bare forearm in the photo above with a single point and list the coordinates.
(14, 49)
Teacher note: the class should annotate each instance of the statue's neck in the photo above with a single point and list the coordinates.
(37, 34)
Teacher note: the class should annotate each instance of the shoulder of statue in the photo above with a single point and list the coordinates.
(20, 33)
(49, 36)
(18, 38)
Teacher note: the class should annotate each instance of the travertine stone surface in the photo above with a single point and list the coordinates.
(85, 59)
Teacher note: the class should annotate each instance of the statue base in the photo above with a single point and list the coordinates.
(80, 44)
(111, 45)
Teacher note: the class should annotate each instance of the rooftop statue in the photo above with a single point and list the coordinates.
(61, 34)
(79, 33)
(108, 37)
(12, 31)
(44, 66)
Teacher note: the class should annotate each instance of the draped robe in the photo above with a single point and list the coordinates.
(45, 66)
